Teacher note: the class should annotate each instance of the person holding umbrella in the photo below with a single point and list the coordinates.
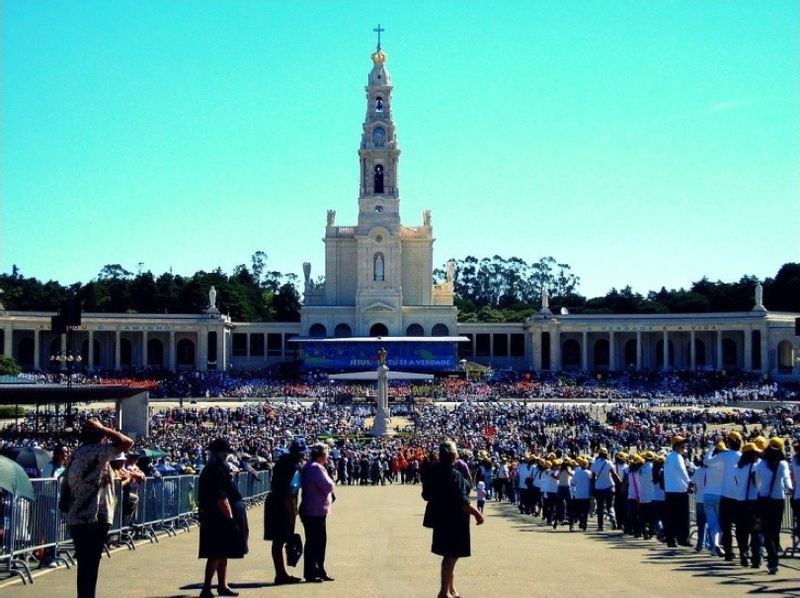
(89, 481)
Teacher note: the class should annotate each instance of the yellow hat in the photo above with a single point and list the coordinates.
(678, 440)
(648, 455)
(721, 445)
(660, 459)
(551, 456)
(622, 456)
(558, 462)
(776, 443)
(749, 447)
(637, 460)
(603, 452)
(735, 436)
(547, 464)
(761, 443)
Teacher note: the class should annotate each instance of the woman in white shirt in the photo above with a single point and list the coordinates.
(773, 481)
(748, 525)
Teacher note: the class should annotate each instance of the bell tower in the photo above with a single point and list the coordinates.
(379, 194)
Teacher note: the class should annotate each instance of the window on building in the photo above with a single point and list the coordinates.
(274, 345)
(517, 345)
(343, 331)
(440, 330)
(257, 345)
(379, 104)
(318, 331)
(239, 344)
(378, 178)
(756, 349)
(378, 136)
(546, 351)
(483, 345)
(500, 345)
(415, 330)
(212, 347)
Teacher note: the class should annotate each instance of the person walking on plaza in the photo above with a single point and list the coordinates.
(448, 512)
(727, 503)
(223, 519)
(314, 509)
(773, 481)
(89, 481)
(676, 487)
(795, 473)
(746, 520)
(603, 473)
(280, 508)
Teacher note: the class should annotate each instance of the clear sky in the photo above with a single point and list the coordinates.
(643, 143)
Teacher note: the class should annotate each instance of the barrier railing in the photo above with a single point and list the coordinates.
(35, 533)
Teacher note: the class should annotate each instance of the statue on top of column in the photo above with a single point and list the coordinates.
(331, 217)
(212, 301)
(426, 217)
(759, 304)
(545, 301)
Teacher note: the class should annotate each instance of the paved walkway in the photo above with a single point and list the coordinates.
(377, 547)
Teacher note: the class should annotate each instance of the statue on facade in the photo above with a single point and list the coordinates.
(331, 217)
(382, 356)
(212, 297)
(451, 272)
(759, 304)
(426, 217)
(545, 301)
(1, 299)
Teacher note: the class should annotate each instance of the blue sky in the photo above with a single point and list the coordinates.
(643, 143)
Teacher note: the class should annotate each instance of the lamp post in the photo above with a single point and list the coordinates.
(71, 361)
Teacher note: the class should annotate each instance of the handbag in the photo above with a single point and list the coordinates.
(65, 497)
(294, 550)
(429, 517)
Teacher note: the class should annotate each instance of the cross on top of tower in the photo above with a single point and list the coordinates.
(379, 30)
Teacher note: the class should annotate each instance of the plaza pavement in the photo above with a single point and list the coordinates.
(377, 547)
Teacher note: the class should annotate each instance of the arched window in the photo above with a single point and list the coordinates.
(342, 331)
(95, 352)
(699, 353)
(378, 136)
(378, 330)
(155, 352)
(545, 350)
(660, 354)
(785, 357)
(318, 331)
(212, 347)
(570, 354)
(25, 352)
(440, 330)
(729, 353)
(184, 352)
(415, 330)
(600, 353)
(378, 178)
(378, 267)
(756, 365)
(630, 353)
(379, 104)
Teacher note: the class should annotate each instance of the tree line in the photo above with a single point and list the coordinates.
(251, 293)
(487, 289)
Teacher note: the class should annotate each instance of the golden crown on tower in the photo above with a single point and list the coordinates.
(379, 57)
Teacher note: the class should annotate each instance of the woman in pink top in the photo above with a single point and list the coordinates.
(314, 508)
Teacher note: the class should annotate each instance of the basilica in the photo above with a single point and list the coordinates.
(378, 292)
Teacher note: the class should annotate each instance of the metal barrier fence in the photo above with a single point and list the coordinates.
(34, 533)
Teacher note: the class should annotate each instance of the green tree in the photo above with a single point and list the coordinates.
(9, 367)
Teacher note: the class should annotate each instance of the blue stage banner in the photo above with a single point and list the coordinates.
(407, 356)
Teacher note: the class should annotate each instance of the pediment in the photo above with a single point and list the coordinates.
(378, 307)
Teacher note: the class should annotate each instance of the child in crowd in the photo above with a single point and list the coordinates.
(480, 494)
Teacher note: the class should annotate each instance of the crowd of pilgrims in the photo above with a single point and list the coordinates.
(678, 387)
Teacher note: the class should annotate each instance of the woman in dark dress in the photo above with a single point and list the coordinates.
(223, 519)
(448, 512)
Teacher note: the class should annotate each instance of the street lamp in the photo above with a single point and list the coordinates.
(71, 361)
